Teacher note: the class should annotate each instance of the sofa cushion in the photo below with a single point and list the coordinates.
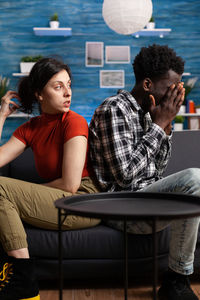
(100, 242)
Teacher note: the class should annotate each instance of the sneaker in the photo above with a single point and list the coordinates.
(18, 280)
(176, 287)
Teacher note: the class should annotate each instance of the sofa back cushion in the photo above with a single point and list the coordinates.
(185, 154)
(23, 168)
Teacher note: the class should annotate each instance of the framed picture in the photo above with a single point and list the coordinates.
(94, 54)
(117, 54)
(111, 78)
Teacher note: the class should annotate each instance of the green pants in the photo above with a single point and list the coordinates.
(34, 204)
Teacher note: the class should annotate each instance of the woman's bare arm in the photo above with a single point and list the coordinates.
(74, 156)
(13, 147)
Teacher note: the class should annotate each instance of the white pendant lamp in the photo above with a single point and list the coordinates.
(127, 16)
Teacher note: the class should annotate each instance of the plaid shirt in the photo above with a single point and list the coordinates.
(127, 150)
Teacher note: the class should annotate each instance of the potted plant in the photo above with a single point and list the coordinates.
(178, 123)
(151, 23)
(188, 85)
(54, 21)
(4, 86)
(27, 62)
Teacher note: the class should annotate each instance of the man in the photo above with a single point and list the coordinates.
(130, 145)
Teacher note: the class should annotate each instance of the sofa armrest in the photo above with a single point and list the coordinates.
(185, 151)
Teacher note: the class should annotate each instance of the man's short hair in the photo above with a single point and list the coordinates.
(156, 60)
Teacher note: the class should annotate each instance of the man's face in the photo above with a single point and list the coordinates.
(160, 87)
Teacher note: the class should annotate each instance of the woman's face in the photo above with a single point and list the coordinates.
(56, 95)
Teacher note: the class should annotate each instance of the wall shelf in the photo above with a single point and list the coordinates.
(20, 115)
(52, 31)
(161, 32)
(20, 74)
(26, 74)
(189, 114)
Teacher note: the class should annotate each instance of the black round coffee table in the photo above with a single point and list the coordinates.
(127, 206)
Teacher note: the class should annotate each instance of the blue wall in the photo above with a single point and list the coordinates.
(18, 17)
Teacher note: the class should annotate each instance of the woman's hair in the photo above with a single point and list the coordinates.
(155, 61)
(40, 74)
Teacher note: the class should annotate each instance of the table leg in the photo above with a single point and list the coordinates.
(125, 262)
(60, 254)
(155, 267)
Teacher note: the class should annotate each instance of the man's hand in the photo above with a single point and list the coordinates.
(165, 112)
(168, 129)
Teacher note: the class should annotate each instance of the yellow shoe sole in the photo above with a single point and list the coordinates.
(32, 298)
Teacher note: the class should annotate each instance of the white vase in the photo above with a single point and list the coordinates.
(182, 109)
(25, 67)
(178, 126)
(54, 24)
(193, 123)
(150, 25)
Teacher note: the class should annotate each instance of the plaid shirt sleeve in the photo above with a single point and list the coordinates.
(163, 155)
(127, 158)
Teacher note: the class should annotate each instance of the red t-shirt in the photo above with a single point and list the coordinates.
(46, 135)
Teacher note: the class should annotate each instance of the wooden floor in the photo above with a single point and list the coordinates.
(136, 293)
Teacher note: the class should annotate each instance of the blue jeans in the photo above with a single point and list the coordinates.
(183, 231)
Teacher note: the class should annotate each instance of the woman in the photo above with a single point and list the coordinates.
(58, 138)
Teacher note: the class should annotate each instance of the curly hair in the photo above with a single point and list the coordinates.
(40, 74)
(155, 60)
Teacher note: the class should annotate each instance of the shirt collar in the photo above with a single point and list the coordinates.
(145, 117)
(131, 99)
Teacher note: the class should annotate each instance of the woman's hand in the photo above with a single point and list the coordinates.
(7, 105)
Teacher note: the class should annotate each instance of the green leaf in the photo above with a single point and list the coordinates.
(4, 86)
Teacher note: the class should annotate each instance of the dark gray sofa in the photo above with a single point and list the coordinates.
(98, 252)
